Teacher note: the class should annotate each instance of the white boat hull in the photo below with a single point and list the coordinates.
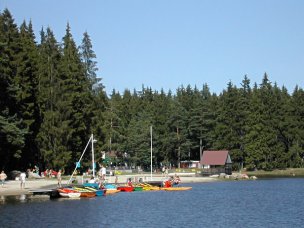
(70, 194)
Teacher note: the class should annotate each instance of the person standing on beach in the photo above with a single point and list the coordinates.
(2, 178)
(59, 178)
(22, 180)
(166, 171)
(163, 170)
(103, 172)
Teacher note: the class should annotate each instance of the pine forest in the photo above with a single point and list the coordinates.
(52, 100)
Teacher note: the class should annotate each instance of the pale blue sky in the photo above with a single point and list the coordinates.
(167, 43)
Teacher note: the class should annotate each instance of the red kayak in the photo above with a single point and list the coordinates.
(126, 188)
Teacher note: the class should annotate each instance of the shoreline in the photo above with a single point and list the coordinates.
(12, 187)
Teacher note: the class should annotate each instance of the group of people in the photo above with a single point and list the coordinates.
(22, 178)
(169, 182)
(101, 174)
(49, 173)
(172, 181)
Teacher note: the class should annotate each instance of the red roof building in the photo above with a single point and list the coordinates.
(216, 157)
(216, 161)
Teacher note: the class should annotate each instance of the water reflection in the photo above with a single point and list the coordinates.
(23, 199)
(66, 199)
(2, 199)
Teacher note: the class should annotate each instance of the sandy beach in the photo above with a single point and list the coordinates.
(12, 187)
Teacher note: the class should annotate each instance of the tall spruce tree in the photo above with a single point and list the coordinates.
(228, 122)
(12, 130)
(138, 138)
(244, 109)
(27, 81)
(49, 138)
(196, 126)
(279, 123)
(183, 105)
(261, 140)
(208, 118)
(74, 101)
(88, 60)
(162, 111)
(296, 128)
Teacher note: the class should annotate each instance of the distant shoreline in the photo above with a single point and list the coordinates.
(12, 187)
(290, 172)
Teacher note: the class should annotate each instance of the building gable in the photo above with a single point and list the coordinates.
(219, 157)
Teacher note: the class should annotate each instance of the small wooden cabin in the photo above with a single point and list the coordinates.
(216, 162)
(189, 164)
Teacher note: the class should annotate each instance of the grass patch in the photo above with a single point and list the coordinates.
(291, 172)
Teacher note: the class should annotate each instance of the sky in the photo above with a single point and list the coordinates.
(164, 44)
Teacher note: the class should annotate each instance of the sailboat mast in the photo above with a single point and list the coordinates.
(151, 150)
(93, 159)
(78, 163)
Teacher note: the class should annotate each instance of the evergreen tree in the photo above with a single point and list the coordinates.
(112, 123)
(244, 109)
(88, 60)
(27, 81)
(161, 111)
(261, 141)
(49, 137)
(279, 123)
(182, 106)
(12, 130)
(196, 127)
(74, 101)
(296, 128)
(209, 116)
(138, 139)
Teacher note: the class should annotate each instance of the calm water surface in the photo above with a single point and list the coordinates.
(261, 203)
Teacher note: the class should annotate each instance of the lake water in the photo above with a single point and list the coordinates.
(261, 203)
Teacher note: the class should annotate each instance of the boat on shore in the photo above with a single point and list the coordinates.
(149, 187)
(99, 192)
(85, 192)
(138, 188)
(111, 191)
(92, 185)
(68, 193)
(125, 188)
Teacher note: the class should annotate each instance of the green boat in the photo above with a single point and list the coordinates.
(138, 188)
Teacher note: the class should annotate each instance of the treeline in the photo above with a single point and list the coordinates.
(50, 97)
(262, 126)
(52, 100)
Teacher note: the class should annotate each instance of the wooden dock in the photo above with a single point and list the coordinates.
(53, 193)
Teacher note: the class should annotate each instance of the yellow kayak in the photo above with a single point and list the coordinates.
(177, 188)
(149, 187)
(111, 191)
